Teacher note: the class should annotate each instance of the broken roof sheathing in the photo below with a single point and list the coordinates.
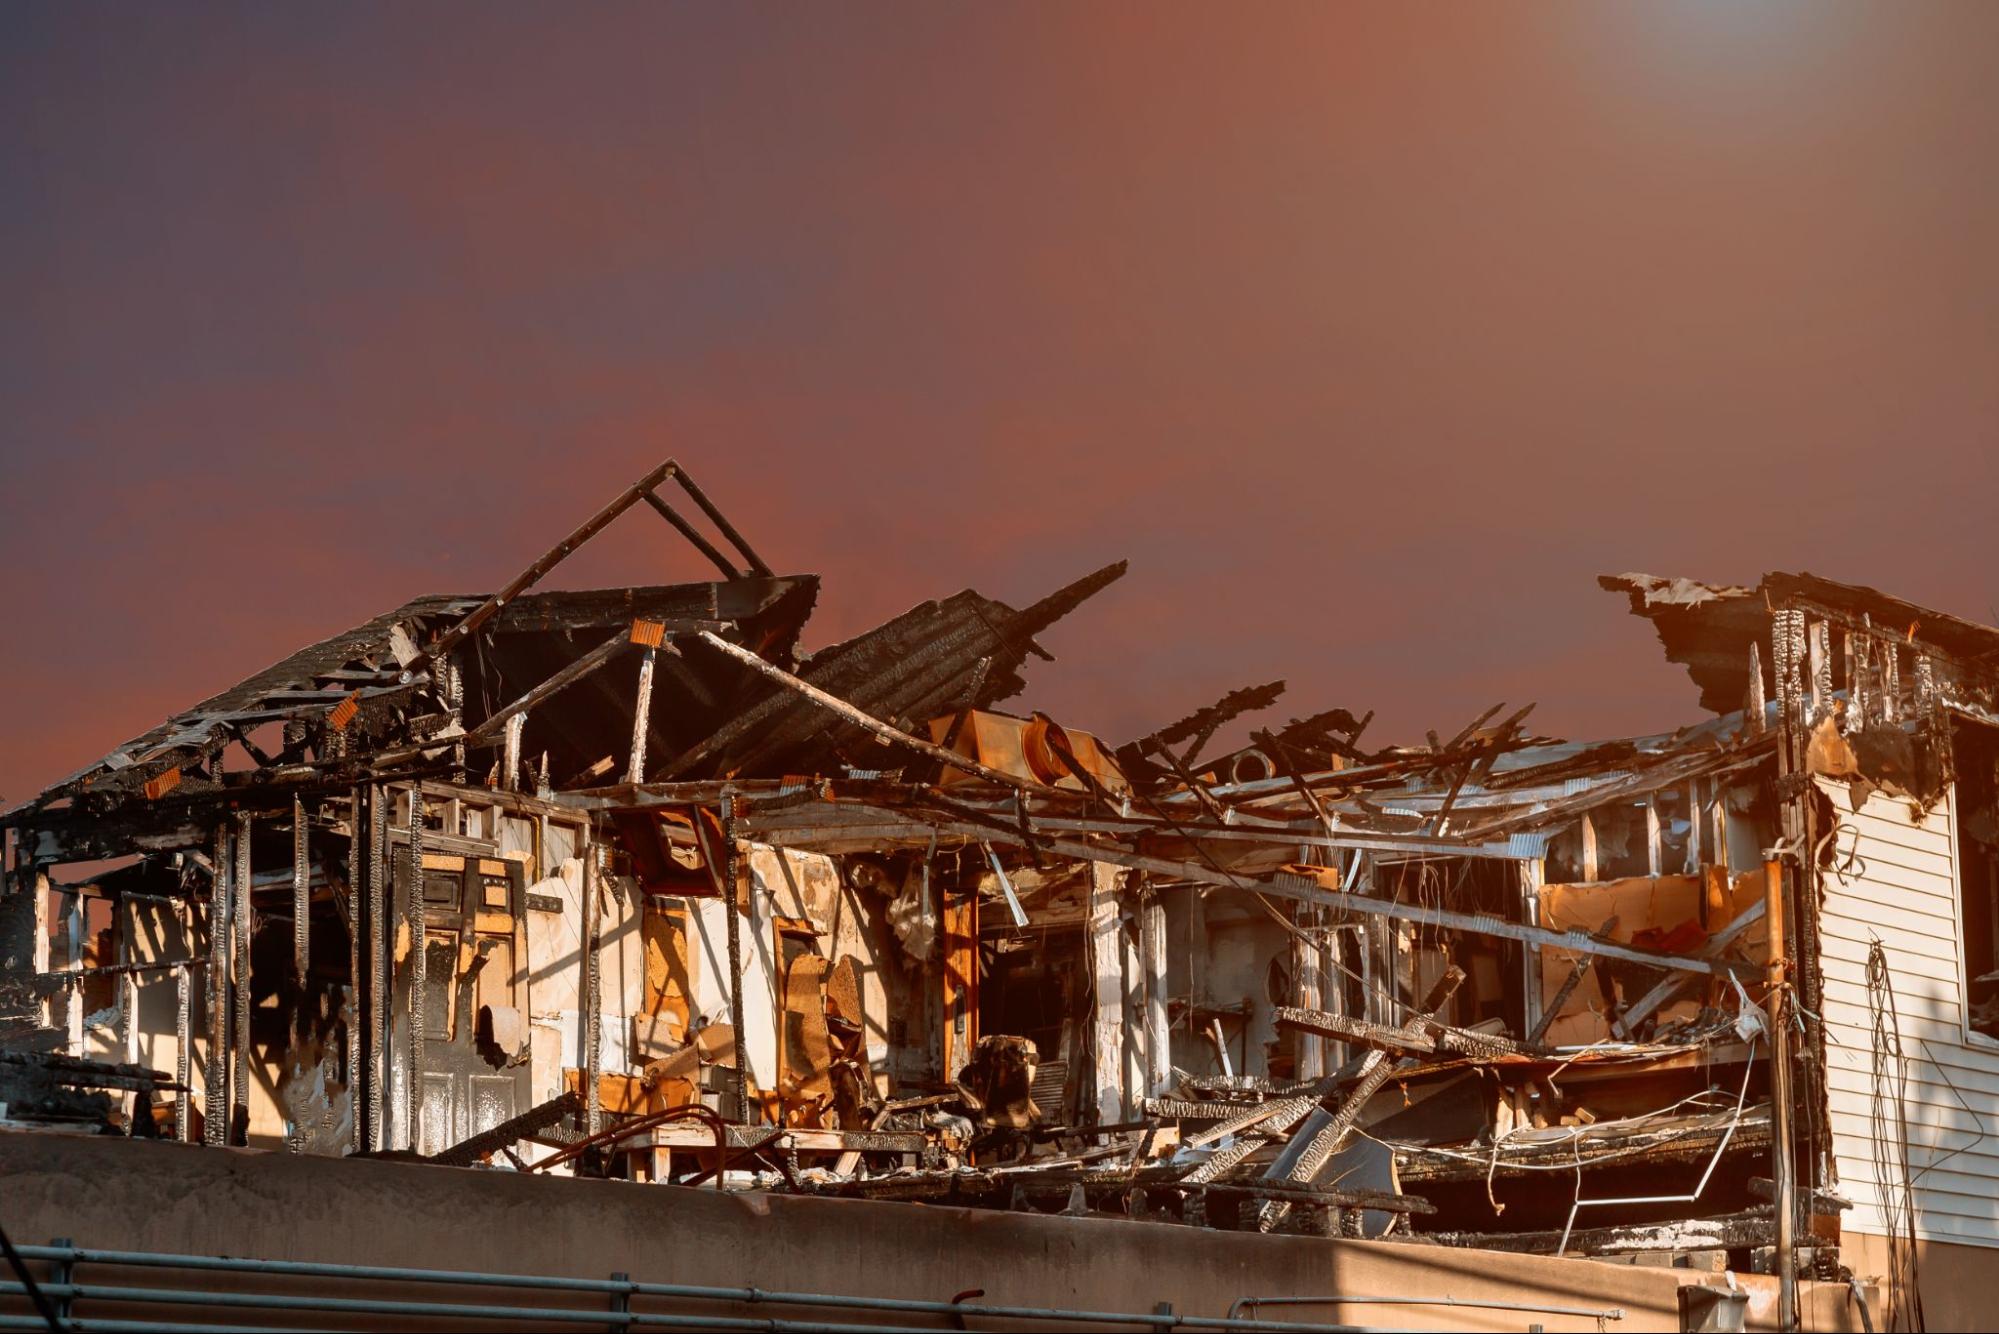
(1708, 628)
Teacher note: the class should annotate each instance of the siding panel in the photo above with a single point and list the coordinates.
(1906, 896)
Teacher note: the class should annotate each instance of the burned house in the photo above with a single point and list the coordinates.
(626, 882)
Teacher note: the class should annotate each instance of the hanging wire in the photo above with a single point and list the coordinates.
(1888, 1123)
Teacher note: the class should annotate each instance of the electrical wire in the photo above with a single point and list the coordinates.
(1888, 1125)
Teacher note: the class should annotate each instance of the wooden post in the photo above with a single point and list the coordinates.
(380, 929)
(215, 1073)
(73, 996)
(1693, 826)
(731, 870)
(73, 1017)
(1784, 1169)
(419, 973)
(1718, 813)
(1152, 949)
(1107, 979)
(1589, 849)
(1533, 873)
(1131, 1021)
(1307, 993)
(183, 1053)
(1757, 704)
(38, 886)
(128, 1020)
(593, 990)
(239, 1090)
(301, 895)
(641, 716)
(510, 753)
(356, 928)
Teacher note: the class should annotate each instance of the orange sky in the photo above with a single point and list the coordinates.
(1370, 334)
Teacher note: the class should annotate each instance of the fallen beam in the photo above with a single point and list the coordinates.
(568, 676)
(1326, 1130)
(840, 708)
(1717, 945)
(469, 1151)
(1750, 1228)
(1283, 885)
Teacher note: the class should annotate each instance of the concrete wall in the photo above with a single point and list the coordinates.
(114, 1193)
(1957, 1283)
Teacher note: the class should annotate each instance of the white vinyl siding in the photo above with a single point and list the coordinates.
(1904, 892)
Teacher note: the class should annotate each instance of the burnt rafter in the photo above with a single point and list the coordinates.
(963, 652)
(1200, 725)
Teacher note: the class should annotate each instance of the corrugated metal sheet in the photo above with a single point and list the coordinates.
(1905, 894)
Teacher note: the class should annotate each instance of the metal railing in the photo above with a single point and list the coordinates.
(1600, 1314)
(612, 1297)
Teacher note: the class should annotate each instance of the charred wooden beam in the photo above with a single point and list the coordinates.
(215, 1074)
(847, 712)
(560, 681)
(301, 893)
(1663, 994)
(1608, 1145)
(1568, 989)
(1326, 1130)
(1201, 724)
(1270, 1118)
(720, 520)
(469, 624)
(469, 1151)
(693, 535)
(239, 1036)
(1381, 1200)
(1185, 1110)
(1749, 1228)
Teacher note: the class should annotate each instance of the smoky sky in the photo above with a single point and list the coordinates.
(1370, 334)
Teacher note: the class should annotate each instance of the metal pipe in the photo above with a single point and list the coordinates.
(1537, 1308)
(1164, 1320)
(536, 1315)
(1783, 1167)
(35, 1322)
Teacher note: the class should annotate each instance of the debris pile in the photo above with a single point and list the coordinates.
(628, 882)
